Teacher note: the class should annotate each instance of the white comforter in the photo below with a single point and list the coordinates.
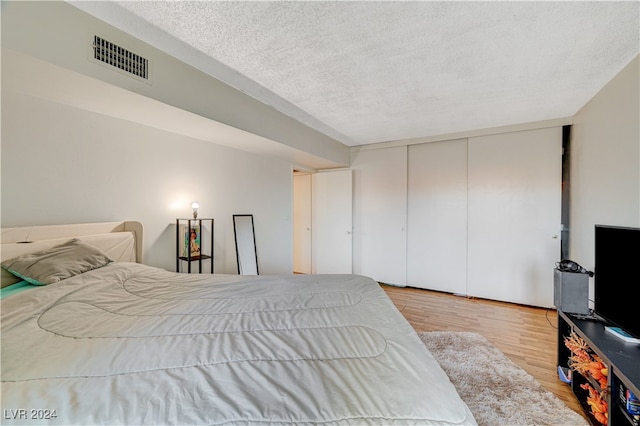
(131, 344)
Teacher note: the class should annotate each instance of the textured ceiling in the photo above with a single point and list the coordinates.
(367, 72)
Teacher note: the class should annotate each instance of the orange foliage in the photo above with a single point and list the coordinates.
(585, 362)
(599, 407)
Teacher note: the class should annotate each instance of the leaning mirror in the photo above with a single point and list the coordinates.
(245, 244)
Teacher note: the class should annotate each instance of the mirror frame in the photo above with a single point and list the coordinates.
(245, 250)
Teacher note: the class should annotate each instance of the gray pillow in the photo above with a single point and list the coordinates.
(57, 263)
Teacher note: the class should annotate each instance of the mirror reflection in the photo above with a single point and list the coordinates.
(245, 244)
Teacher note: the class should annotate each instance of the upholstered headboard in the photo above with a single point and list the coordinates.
(121, 241)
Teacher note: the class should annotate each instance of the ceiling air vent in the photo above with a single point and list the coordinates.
(119, 57)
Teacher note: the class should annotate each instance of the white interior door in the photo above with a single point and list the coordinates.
(380, 214)
(514, 215)
(437, 216)
(302, 223)
(331, 231)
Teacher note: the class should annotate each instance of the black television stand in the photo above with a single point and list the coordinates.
(621, 358)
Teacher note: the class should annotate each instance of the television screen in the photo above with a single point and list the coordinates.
(617, 276)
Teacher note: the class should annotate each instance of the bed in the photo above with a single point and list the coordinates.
(126, 343)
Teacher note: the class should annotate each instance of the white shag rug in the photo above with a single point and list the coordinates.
(496, 390)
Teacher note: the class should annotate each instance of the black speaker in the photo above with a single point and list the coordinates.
(571, 292)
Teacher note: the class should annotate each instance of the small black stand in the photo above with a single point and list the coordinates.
(188, 225)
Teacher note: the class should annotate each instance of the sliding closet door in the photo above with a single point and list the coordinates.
(514, 215)
(437, 216)
(380, 214)
(332, 201)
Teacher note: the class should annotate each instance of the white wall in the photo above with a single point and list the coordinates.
(61, 164)
(60, 34)
(605, 162)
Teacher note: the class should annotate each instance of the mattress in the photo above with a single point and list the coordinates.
(132, 344)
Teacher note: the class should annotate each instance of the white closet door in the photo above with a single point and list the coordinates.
(302, 224)
(437, 216)
(514, 215)
(331, 235)
(380, 214)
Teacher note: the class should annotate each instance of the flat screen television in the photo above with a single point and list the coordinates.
(617, 277)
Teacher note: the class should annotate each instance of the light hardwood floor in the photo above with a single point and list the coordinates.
(527, 335)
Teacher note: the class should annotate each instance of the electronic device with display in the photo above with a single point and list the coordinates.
(617, 278)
